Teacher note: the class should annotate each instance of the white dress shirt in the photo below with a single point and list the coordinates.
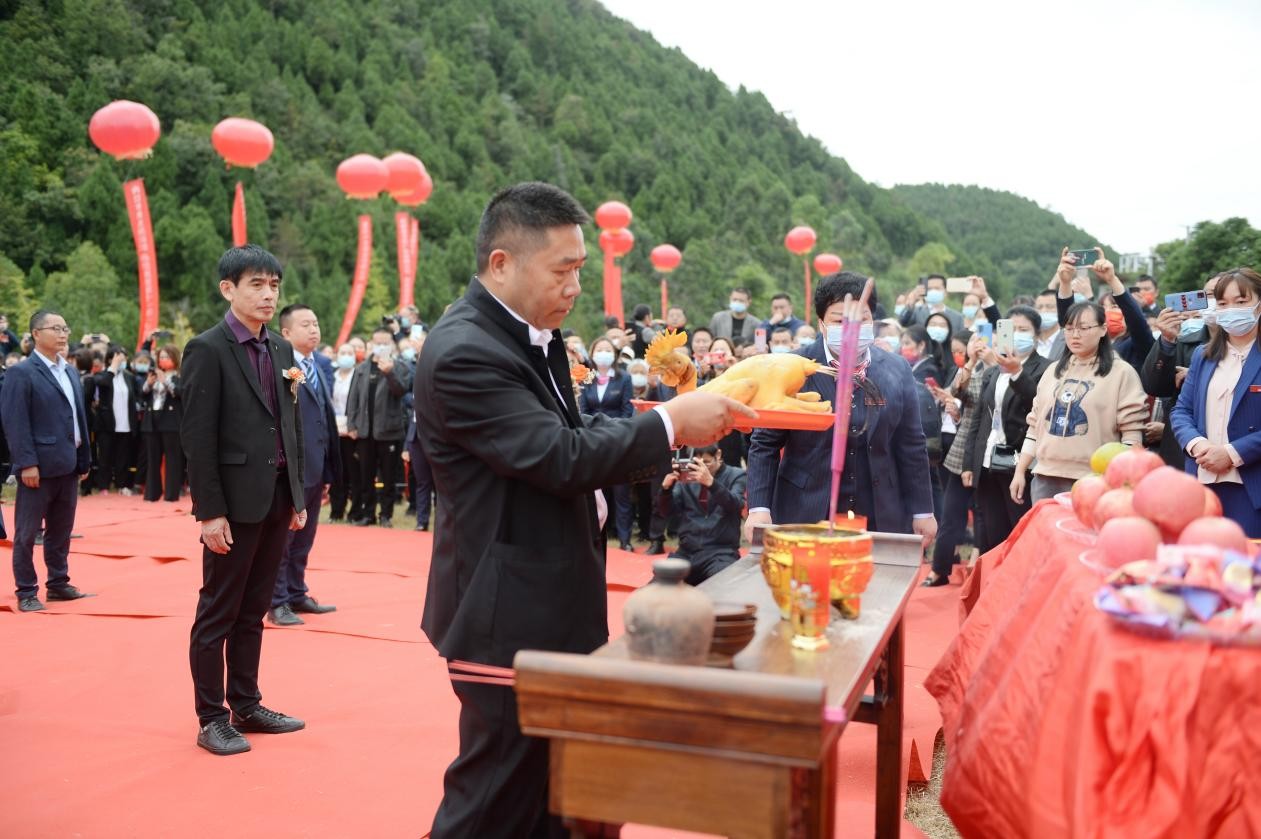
(61, 372)
(122, 396)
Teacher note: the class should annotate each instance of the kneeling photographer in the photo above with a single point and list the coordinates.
(709, 498)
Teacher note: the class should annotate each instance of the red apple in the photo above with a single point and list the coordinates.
(1114, 504)
(1129, 467)
(1222, 532)
(1170, 498)
(1212, 504)
(1127, 539)
(1085, 495)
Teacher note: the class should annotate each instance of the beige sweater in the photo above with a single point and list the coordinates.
(1076, 414)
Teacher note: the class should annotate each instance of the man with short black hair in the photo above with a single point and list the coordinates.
(640, 329)
(377, 418)
(1049, 322)
(781, 340)
(46, 428)
(709, 499)
(782, 315)
(735, 322)
(242, 434)
(321, 464)
(518, 562)
(1148, 296)
(929, 298)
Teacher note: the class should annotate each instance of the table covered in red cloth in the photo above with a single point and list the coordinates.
(1059, 724)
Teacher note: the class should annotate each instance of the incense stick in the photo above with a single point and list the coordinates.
(846, 358)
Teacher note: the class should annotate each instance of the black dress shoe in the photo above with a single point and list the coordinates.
(66, 593)
(386, 523)
(933, 581)
(220, 738)
(266, 721)
(657, 547)
(30, 604)
(282, 615)
(626, 546)
(335, 519)
(310, 605)
(361, 522)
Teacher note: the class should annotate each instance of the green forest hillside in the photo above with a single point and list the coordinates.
(485, 93)
(1002, 234)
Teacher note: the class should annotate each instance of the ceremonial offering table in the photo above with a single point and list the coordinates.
(745, 751)
(1060, 724)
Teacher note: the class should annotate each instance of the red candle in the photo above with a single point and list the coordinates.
(850, 521)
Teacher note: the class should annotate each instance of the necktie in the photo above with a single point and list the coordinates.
(308, 369)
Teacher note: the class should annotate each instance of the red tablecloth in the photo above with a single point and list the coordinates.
(1059, 724)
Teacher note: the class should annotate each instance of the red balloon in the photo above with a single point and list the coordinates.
(362, 176)
(612, 215)
(800, 240)
(124, 129)
(827, 263)
(420, 195)
(665, 258)
(619, 242)
(242, 142)
(407, 174)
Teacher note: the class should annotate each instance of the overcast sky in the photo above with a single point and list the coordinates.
(1132, 119)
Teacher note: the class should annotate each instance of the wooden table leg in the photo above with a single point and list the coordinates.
(889, 694)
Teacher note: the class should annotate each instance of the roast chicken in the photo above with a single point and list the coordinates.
(769, 382)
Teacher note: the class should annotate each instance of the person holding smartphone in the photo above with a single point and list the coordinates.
(376, 418)
(708, 497)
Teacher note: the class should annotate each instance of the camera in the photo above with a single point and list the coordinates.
(680, 465)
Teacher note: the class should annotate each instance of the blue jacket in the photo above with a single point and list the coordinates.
(796, 487)
(616, 402)
(37, 421)
(321, 447)
(1243, 430)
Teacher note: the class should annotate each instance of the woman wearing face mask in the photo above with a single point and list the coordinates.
(345, 488)
(939, 331)
(1219, 409)
(161, 427)
(1166, 365)
(961, 399)
(970, 310)
(734, 446)
(916, 348)
(1084, 400)
(1008, 387)
(610, 394)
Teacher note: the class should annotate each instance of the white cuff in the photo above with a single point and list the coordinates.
(1234, 456)
(759, 510)
(665, 420)
(923, 516)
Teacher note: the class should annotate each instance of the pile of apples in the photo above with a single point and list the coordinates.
(1136, 503)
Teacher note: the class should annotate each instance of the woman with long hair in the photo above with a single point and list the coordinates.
(161, 427)
(1087, 399)
(1219, 409)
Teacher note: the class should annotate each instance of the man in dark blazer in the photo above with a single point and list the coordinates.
(322, 464)
(886, 474)
(46, 427)
(242, 434)
(517, 560)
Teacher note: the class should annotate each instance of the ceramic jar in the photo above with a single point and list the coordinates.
(669, 621)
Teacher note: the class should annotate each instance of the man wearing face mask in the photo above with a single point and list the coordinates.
(736, 322)
(1181, 333)
(804, 336)
(782, 315)
(346, 487)
(781, 340)
(377, 418)
(886, 464)
(1049, 322)
(1148, 294)
(929, 298)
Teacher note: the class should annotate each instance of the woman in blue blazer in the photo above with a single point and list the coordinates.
(610, 394)
(1218, 414)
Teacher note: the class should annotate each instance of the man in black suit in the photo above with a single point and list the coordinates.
(517, 559)
(46, 427)
(322, 464)
(242, 433)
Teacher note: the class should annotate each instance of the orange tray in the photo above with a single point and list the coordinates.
(783, 420)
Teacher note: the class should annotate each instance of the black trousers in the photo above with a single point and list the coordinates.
(423, 476)
(291, 576)
(346, 488)
(497, 785)
(707, 562)
(953, 523)
(118, 455)
(51, 505)
(236, 590)
(377, 459)
(996, 511)
(164, 446)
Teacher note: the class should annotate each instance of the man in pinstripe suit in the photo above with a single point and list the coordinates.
(886, 474)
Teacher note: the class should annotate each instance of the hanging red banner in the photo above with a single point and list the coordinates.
(146, 258)
(363, 262)
(238, 217)
(414, 253)
(403, 230)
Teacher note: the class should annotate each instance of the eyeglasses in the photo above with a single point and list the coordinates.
(60, 330)
(1080, 330)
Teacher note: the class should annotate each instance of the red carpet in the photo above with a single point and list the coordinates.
(96, 701)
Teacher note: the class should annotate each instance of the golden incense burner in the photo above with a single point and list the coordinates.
(848, 553)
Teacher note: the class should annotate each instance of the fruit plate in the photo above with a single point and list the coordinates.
(1064, 499)
(782, 420)
(1072, 527)
(1164, 629)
